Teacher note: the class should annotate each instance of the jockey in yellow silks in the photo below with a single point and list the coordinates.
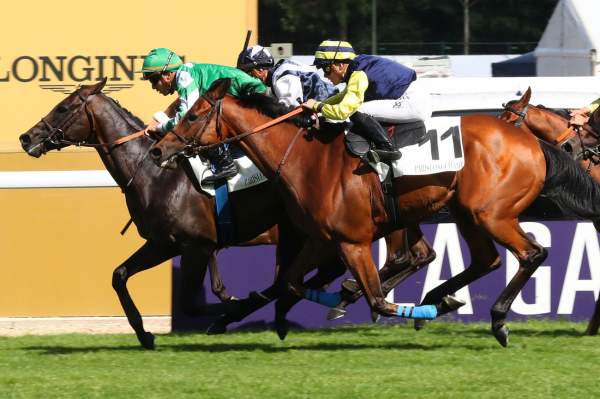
(377, 89)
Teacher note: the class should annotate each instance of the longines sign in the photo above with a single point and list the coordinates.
(61, 73)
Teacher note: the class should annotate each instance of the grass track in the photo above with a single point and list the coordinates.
(446, 360)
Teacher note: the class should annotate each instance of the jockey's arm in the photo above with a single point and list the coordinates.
(188, 95)
(344, 104)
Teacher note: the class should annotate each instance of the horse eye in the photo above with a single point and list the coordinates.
(61, 109)
(192, 117)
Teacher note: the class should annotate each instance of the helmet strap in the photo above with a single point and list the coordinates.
(168, 62)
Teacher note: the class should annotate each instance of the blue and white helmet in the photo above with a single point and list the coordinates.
(255, 57)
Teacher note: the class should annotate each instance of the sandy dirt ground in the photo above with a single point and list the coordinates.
(17, 326)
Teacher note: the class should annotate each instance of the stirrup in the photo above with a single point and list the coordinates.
(388, 155)
(226, 173)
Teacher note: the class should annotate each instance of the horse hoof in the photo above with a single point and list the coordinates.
(453, 303)
(591, 333)
(336, 313)
(501, 333)
(147, 340)
(350, 286)
(216, 328)
(282, 329)
(419, 324)
(375, 317)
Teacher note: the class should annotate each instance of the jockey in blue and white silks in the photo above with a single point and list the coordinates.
(292, 83)
(377, 89)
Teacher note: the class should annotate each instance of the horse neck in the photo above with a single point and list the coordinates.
(112, 123)
(266, 148)
(545, 124)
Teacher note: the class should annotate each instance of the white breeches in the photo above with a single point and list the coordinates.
(414, 105)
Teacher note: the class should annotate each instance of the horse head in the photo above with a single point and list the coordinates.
(69, 122)
(201, 126)
(515, 111)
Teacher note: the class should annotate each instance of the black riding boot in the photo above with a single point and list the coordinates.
(370, 129)
(224, 167)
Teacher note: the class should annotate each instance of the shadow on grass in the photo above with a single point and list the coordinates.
(517, 330)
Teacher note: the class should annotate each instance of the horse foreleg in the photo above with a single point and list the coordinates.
(592, 328)
(327, 272)
(146, 257)
(216, 282)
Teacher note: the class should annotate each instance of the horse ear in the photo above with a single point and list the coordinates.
(527, 96)
(97, 88)
(219, 88)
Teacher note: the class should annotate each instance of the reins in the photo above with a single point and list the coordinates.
(264, 126)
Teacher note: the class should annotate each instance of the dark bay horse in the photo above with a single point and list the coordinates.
(171, 214)
(335, 199)
(581, 144)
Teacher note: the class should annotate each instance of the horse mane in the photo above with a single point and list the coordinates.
(562, 112)
(136, 122)
(267, 105)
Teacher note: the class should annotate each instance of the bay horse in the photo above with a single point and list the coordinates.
(334, 198)
(171, 213)
(582, 144)
(552, 126)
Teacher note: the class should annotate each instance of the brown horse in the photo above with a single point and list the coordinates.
(553, 127)
(581, 144)
(172, 215)
(334, 198)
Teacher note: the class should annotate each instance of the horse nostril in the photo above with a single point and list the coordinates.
(156, 153)
(25, 139)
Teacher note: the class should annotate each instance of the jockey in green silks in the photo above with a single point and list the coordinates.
(167, 73)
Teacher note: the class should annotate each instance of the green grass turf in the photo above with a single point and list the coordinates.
(445, 360)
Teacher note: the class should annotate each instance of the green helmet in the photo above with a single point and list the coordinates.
(160, 60)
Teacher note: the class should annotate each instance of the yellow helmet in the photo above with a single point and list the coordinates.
(331, 51)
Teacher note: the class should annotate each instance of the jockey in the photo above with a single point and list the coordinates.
(291, 83)
(167, 74)
(376, 89)
(581, 116)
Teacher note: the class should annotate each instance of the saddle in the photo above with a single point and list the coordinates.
(401, 135)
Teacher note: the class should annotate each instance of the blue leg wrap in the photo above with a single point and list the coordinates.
(428, 312)
(330, 299)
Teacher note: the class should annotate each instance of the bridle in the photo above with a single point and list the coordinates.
(521, 114)
(193, 147)
(192, 144)
(57, 133)
(562, 140)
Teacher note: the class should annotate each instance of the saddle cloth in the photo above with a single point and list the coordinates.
(438, 149)
(248, 175)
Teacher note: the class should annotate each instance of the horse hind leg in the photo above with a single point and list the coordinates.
(484, 260)
(530, 255)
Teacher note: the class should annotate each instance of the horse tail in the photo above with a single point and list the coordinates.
(569, 186)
